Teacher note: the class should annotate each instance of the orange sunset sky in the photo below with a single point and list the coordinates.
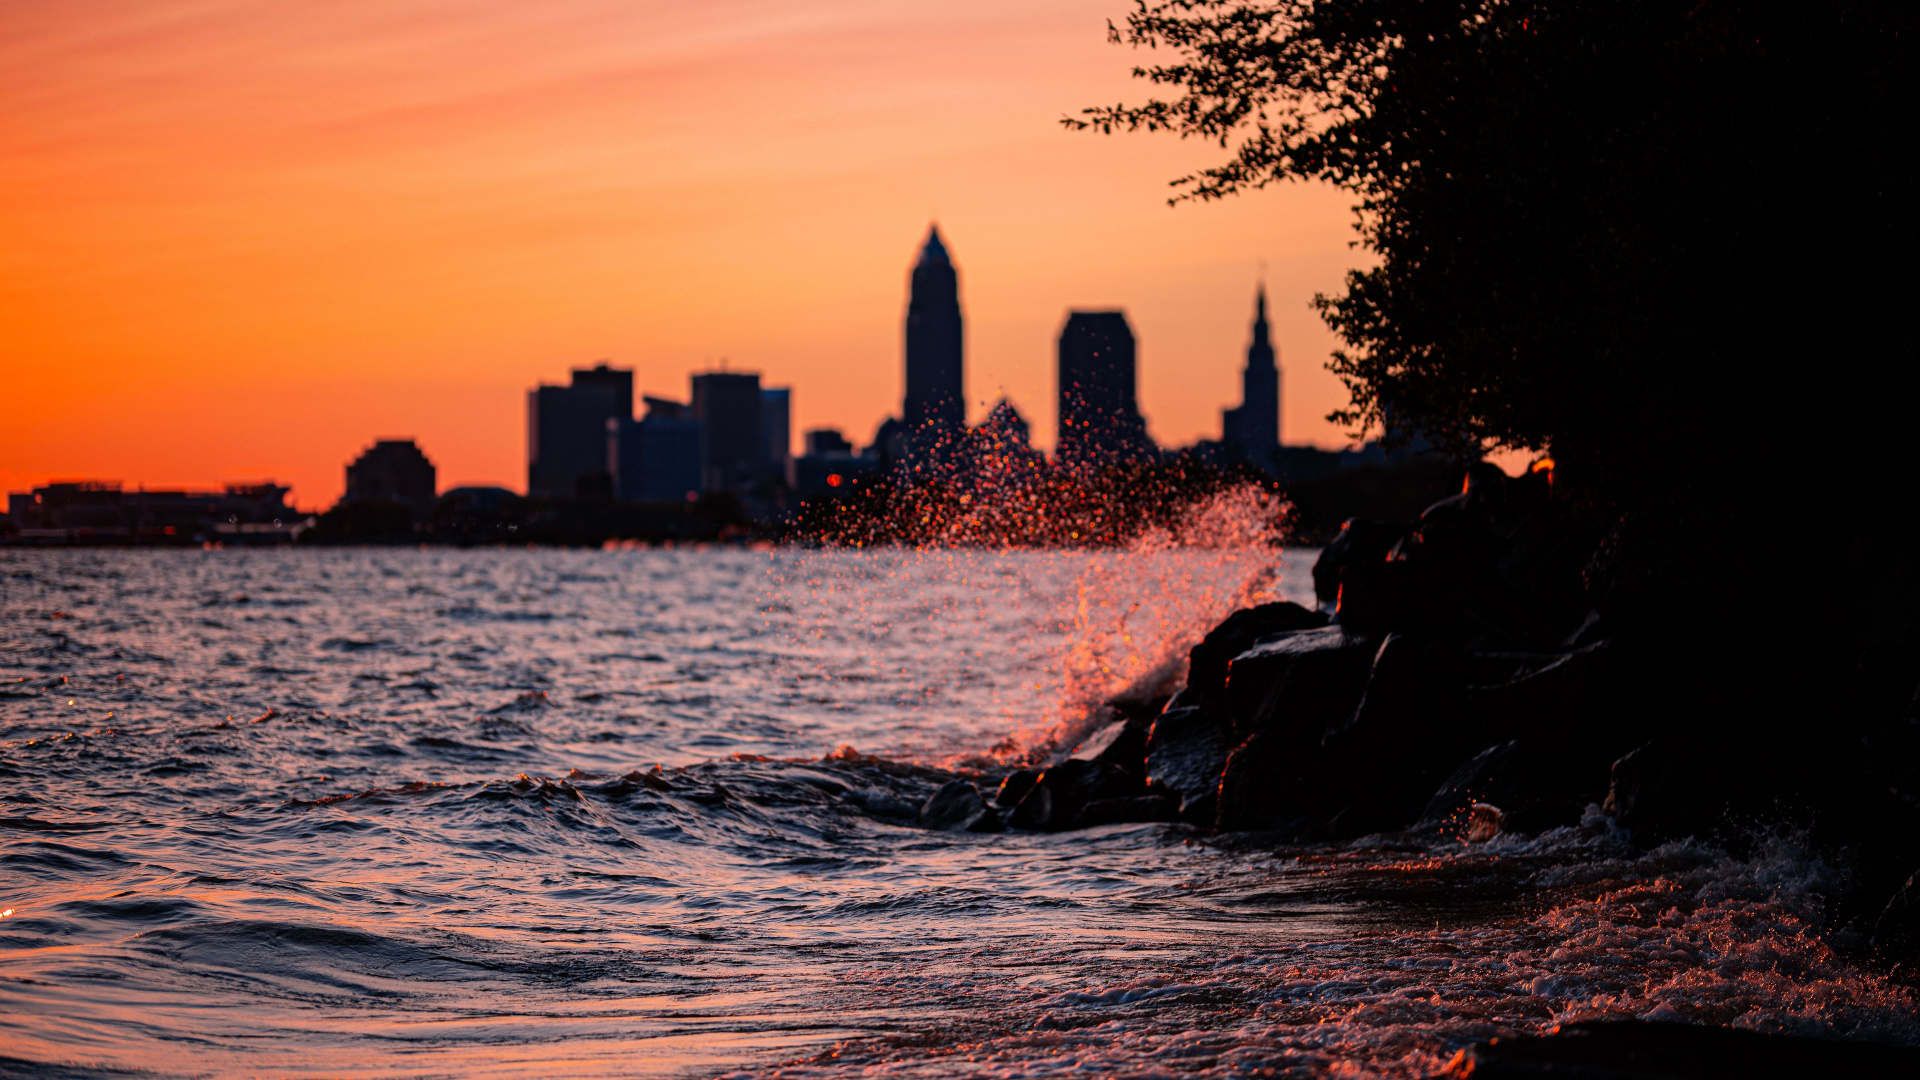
(240, 239)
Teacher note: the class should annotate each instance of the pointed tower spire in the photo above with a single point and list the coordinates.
(1254, 428)
(934, 250)
(1260, 353)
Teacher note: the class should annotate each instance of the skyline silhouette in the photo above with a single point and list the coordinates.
(226, 225)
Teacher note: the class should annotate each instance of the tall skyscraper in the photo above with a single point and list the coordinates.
(567, 430)
(1253, 429)
(729, 408)
(1100, 419)
(935, 409)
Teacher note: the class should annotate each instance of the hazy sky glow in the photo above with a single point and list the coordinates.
(240, 239)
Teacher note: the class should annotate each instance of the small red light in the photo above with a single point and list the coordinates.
(833, 480)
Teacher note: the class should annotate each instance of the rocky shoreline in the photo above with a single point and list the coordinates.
(1481, 671)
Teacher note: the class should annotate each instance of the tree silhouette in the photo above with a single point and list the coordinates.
(1629, 232)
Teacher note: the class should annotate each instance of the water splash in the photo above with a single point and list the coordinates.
(1089, 625)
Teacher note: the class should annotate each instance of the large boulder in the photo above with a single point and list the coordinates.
(1378, 767)
(1266, 785)
(1186, 751)
(1059, 797)
(1282, 697)
(1300, 683)
(1207, 662)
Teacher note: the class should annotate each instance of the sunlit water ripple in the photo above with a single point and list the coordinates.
(391, 812)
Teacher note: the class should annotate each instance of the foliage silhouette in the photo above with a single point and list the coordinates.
(1629, 232)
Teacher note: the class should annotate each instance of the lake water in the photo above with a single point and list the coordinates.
(381, 812)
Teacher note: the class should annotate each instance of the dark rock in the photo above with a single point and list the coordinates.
(1412, 726)
(1896, 933)
(1098, 742)
(1675, 787)
(1303, 683)
(1207, 662)
(1359, 541)
(1158, 806)
(1186, 751)
(956, 807)
(1120, 742)
(1014, 788)
(1574, 694)
(1284, 694)
(1264, 786)
(1534, 790)
(1646, 1050)
(1378, 597)
(1061, 794)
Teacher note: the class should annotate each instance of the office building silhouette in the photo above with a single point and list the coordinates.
(660, 457)
(1099, 418)
(776, 433)
(567, 430)
(729, 407)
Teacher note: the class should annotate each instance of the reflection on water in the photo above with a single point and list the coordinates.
(394, 813)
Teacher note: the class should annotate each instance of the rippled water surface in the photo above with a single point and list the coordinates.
(383, 812)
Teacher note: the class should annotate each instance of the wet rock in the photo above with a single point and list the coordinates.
(1576, 694)
(1300, 683)
(1379, 597)
(1359, 541)
(957, 807)
(1186, 752)
(1207, 662)
(1059, 797)
(1263, 786)
(1484, 822)
(1409, 731)
(1156, 806)
(1648, 1050)
(1670, 788)
(1014, 788)
(1533, 789)
(1284, 694)
(1122, 743)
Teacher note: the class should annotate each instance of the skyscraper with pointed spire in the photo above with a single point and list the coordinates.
(1253, 429)
(935, 409)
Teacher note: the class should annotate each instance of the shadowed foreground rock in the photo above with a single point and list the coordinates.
(1640, 1050)
(1510, 660)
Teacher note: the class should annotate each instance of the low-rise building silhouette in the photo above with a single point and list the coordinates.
(830, 464)
(94, 511)
(396, 471)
